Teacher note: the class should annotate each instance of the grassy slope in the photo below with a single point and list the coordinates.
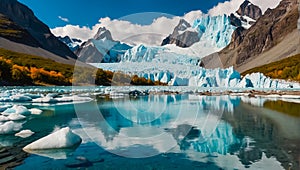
(86, 75)
(288, 69)
(36, 61)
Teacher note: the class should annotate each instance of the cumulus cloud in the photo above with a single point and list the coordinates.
(63, 19)
(231, 6)
(127, 32)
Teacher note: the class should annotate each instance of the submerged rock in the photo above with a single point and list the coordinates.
(136, 93)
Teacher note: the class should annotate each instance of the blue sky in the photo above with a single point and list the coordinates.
(88, 12)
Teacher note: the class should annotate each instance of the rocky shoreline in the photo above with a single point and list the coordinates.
(11, 156)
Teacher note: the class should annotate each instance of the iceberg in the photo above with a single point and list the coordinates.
(9, 127)
(16, 117)
(20, 98)
(16, 109)
(3, 118)
(44, 100)
(61, 139)
(24, 133)
(4, 107)
(35, 111)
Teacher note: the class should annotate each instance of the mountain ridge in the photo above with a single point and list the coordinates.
(24, 17)
(268, 32)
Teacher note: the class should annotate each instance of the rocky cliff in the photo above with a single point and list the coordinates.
(181, 36)
(101, 48)
(25, 19)
(274, 34)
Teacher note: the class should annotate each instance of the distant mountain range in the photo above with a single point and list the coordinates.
(72, 43)
(245, 39)
(101, 48)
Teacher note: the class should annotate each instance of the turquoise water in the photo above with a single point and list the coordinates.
(165, 132)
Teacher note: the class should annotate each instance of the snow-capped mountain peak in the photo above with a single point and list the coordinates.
(103, 33)
(72, 43)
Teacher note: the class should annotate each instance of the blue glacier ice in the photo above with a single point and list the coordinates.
(214, 31)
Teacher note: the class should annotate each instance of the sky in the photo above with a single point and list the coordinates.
(87, 13)
(130, 21)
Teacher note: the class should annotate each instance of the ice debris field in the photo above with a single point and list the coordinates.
(19, 105)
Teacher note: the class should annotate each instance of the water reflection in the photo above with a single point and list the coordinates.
(223, 125)
(177, 122)
(230, 132)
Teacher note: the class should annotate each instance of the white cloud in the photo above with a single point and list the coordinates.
(63, 19)
(231, 6)
(128, 32)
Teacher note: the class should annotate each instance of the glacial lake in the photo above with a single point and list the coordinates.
(173, 131)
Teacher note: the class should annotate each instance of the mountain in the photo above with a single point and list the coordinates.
(13, 32)
(101, 48)
(209, 31)
(72, 43)
(28, 34)
(246, 15)
(183, 35)
(213, 30)
(273, 37)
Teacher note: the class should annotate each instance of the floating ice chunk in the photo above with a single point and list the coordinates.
(33, 96)
(16, 117)
(44, 100)
(5, 99)
(24, 133)
(16, 109)
(35, 111)
(51, 95)
(4, 107)
(9, 127)
(61, 139)
(20, 98)
(3, 118)
(73, 98)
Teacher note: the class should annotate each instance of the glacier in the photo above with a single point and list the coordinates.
(214, 31)
(178, 66)
(196, 76)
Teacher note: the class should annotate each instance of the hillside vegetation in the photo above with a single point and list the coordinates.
(24, 69)
(14, 32)
(288, 69)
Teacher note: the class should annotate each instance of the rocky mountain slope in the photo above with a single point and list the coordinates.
(181, 36)
(246, 15)
(215, 28)
(273, 37)
(29, 32)
(102, 48)
(72, 43)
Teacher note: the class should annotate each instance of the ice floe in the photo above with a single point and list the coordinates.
(61, 139)
(16, 117)
(24, 133)
(35, 111)
(16, 109)
(9, 127)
